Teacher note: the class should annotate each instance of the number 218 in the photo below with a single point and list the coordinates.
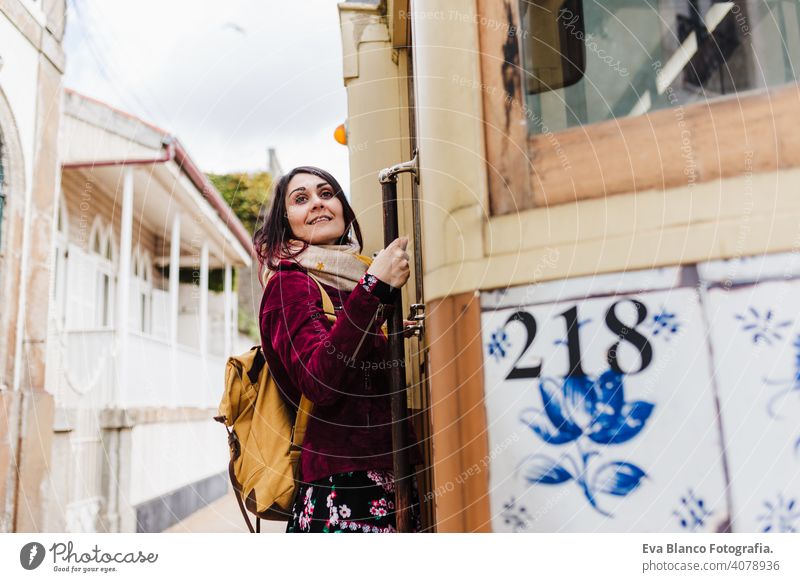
(624, 332)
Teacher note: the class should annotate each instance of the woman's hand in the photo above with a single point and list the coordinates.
(391, 264)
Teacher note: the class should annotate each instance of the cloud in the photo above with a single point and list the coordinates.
(274, 79)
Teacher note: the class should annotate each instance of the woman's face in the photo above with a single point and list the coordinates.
(314, 212)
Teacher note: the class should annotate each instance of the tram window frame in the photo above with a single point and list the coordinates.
(615, 156)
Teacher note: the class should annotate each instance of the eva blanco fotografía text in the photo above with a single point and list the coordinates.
(736, 550)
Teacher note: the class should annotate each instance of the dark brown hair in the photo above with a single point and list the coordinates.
(271, 240)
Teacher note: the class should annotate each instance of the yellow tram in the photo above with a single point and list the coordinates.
(605, 226)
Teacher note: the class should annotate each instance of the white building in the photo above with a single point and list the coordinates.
(31, 68)
(136, 357)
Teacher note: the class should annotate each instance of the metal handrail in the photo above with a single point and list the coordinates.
(388, 179)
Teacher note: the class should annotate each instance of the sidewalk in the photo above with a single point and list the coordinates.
(222, 516)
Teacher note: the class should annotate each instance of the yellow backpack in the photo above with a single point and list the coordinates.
(265, 435)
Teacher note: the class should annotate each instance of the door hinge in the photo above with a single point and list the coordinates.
(416, 314)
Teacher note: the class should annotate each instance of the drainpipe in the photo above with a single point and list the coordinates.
(169, 154)
(174, 151)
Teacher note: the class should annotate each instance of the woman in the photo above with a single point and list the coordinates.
(346, 481)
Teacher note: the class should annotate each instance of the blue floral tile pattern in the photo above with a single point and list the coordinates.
(499, 344)
(515, 515)
(788, 388)
(780, 516)
(763, 328)
(587, 412)
(664, 324)
(692, 514)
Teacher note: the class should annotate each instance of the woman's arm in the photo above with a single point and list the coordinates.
(320, 358)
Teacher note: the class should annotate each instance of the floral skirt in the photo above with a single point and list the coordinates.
(355, 502)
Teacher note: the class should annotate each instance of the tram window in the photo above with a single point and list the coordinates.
(644, 55)
(553, 46)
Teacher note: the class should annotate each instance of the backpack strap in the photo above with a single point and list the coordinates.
(300, 423)
(259, 361)
(306, 406)
(364, 259)
(327, 304)
(239, 497)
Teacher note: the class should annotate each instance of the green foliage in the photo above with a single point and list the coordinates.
(248, 325)
(246, 193)
(216, 277)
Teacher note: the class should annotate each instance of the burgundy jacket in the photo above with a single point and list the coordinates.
(342, 368)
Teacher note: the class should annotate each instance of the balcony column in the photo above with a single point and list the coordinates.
(204, 300)
(174, 306)
(174, 278)
(228, 310)
(124, 286)
(234, 317)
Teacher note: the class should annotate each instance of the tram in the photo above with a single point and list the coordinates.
(605, 230)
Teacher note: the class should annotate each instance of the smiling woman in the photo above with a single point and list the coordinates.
(301, 196)
(314, 212)
(311, 236)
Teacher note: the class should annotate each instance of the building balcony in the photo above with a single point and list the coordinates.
(155, 373)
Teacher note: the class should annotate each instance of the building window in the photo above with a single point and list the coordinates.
(141, 292)
(587, 61)
(101, 245)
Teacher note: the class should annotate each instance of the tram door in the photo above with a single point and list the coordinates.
(416, 345)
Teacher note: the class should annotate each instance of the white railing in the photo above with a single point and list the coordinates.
(149, 381)
(158, 374)
(200, 378)
(87, 362)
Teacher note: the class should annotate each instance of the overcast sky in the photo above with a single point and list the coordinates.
(229, 78)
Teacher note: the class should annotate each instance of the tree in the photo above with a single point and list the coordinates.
(247, 194)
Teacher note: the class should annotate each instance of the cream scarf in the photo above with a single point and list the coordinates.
(339, 266)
